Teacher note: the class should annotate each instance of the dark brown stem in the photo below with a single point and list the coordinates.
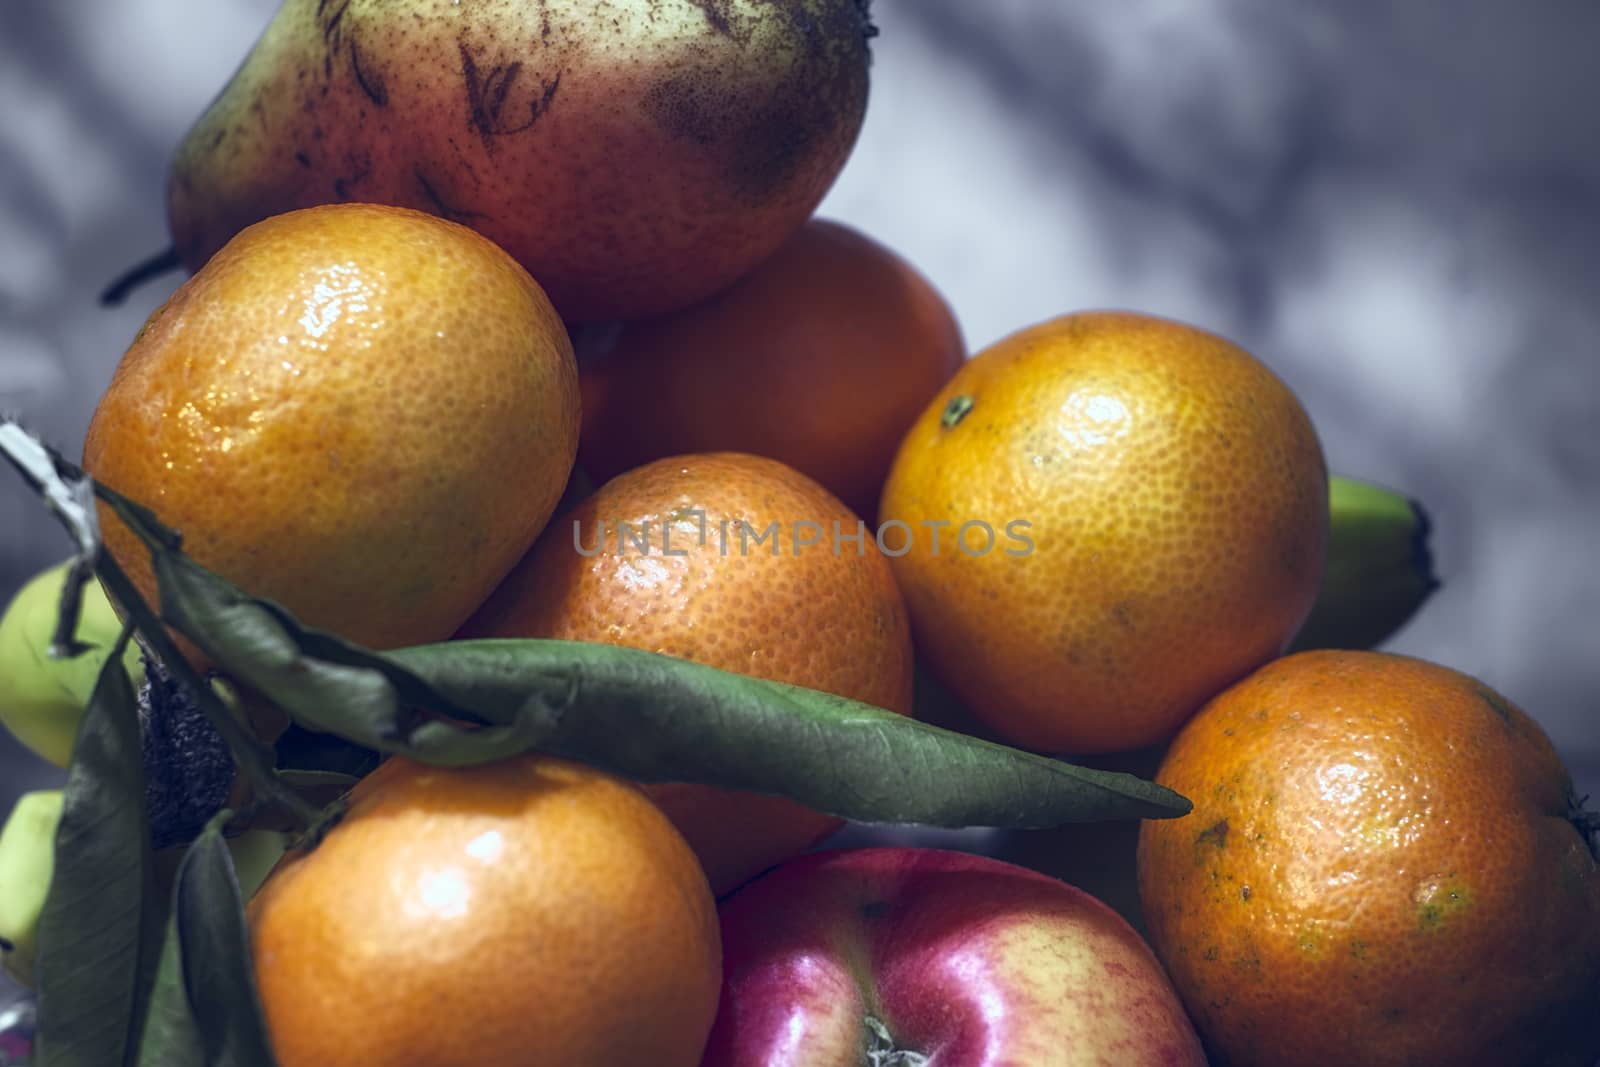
(1587, 823)
(136, 275)
(868, 30)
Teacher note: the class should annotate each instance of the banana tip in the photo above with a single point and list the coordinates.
(1422, 546)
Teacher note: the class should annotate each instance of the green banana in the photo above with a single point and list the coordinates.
(1380, 568)
(27, 858)
(42, 697)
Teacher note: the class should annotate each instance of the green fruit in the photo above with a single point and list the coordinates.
(42, 697)
(27, 858)
(27, 861)
(1380, 568)
(255, 853)
(635, 155)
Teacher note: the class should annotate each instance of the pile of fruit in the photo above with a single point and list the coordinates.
(529, 534)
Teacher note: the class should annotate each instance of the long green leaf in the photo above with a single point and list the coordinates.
(656, 718)
(100, 932)
(171, 1038)
(204, 1012)
(651, 717)
(325, 682)
(329, 685)
(216, 955)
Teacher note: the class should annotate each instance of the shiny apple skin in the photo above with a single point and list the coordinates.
(965, 960)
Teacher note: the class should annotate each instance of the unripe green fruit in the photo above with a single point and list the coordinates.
(255, 854)
(27, 858)
(41, 697)
(27, 863)
(1379, 572)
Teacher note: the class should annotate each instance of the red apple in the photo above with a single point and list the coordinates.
(905, 956)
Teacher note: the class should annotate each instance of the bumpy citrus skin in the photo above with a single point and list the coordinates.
(1176, 503)
(1383, 867)
(364, 413)
(826, 620)
(822, 357)
(528, 911)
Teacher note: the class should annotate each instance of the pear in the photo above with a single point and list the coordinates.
(27, 865)
(27, 861)
(634, 155)
(42, 697)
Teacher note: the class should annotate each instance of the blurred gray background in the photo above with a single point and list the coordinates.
(1397, 205)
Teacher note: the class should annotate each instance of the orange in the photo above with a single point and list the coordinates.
(814, 616)
(525, 911)
(363, 413)
(1385, 865)
(822, 357)
(1135, 514)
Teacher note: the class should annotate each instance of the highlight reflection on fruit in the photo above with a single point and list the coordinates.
(1100, 534)
(1386, 864)
(329, 411)
(941, 958)
(1175, 502)
(549, 904)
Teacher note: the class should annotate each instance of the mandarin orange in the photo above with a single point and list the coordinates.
(821, 357)
(364, 413)
(1107, 518)
(526, 911)
(688, 578)
(1385, 865)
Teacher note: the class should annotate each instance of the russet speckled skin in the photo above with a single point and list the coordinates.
(633, 155)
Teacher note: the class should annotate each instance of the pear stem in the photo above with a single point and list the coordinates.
(136, 275)
(1586, 822)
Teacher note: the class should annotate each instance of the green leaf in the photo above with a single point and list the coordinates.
(204, 1012)
(100, 932)
(650, 717)
(215, 950)
(647, 716)
(655, 718)
(171, 1038)
(327, 684)
(324, 682)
